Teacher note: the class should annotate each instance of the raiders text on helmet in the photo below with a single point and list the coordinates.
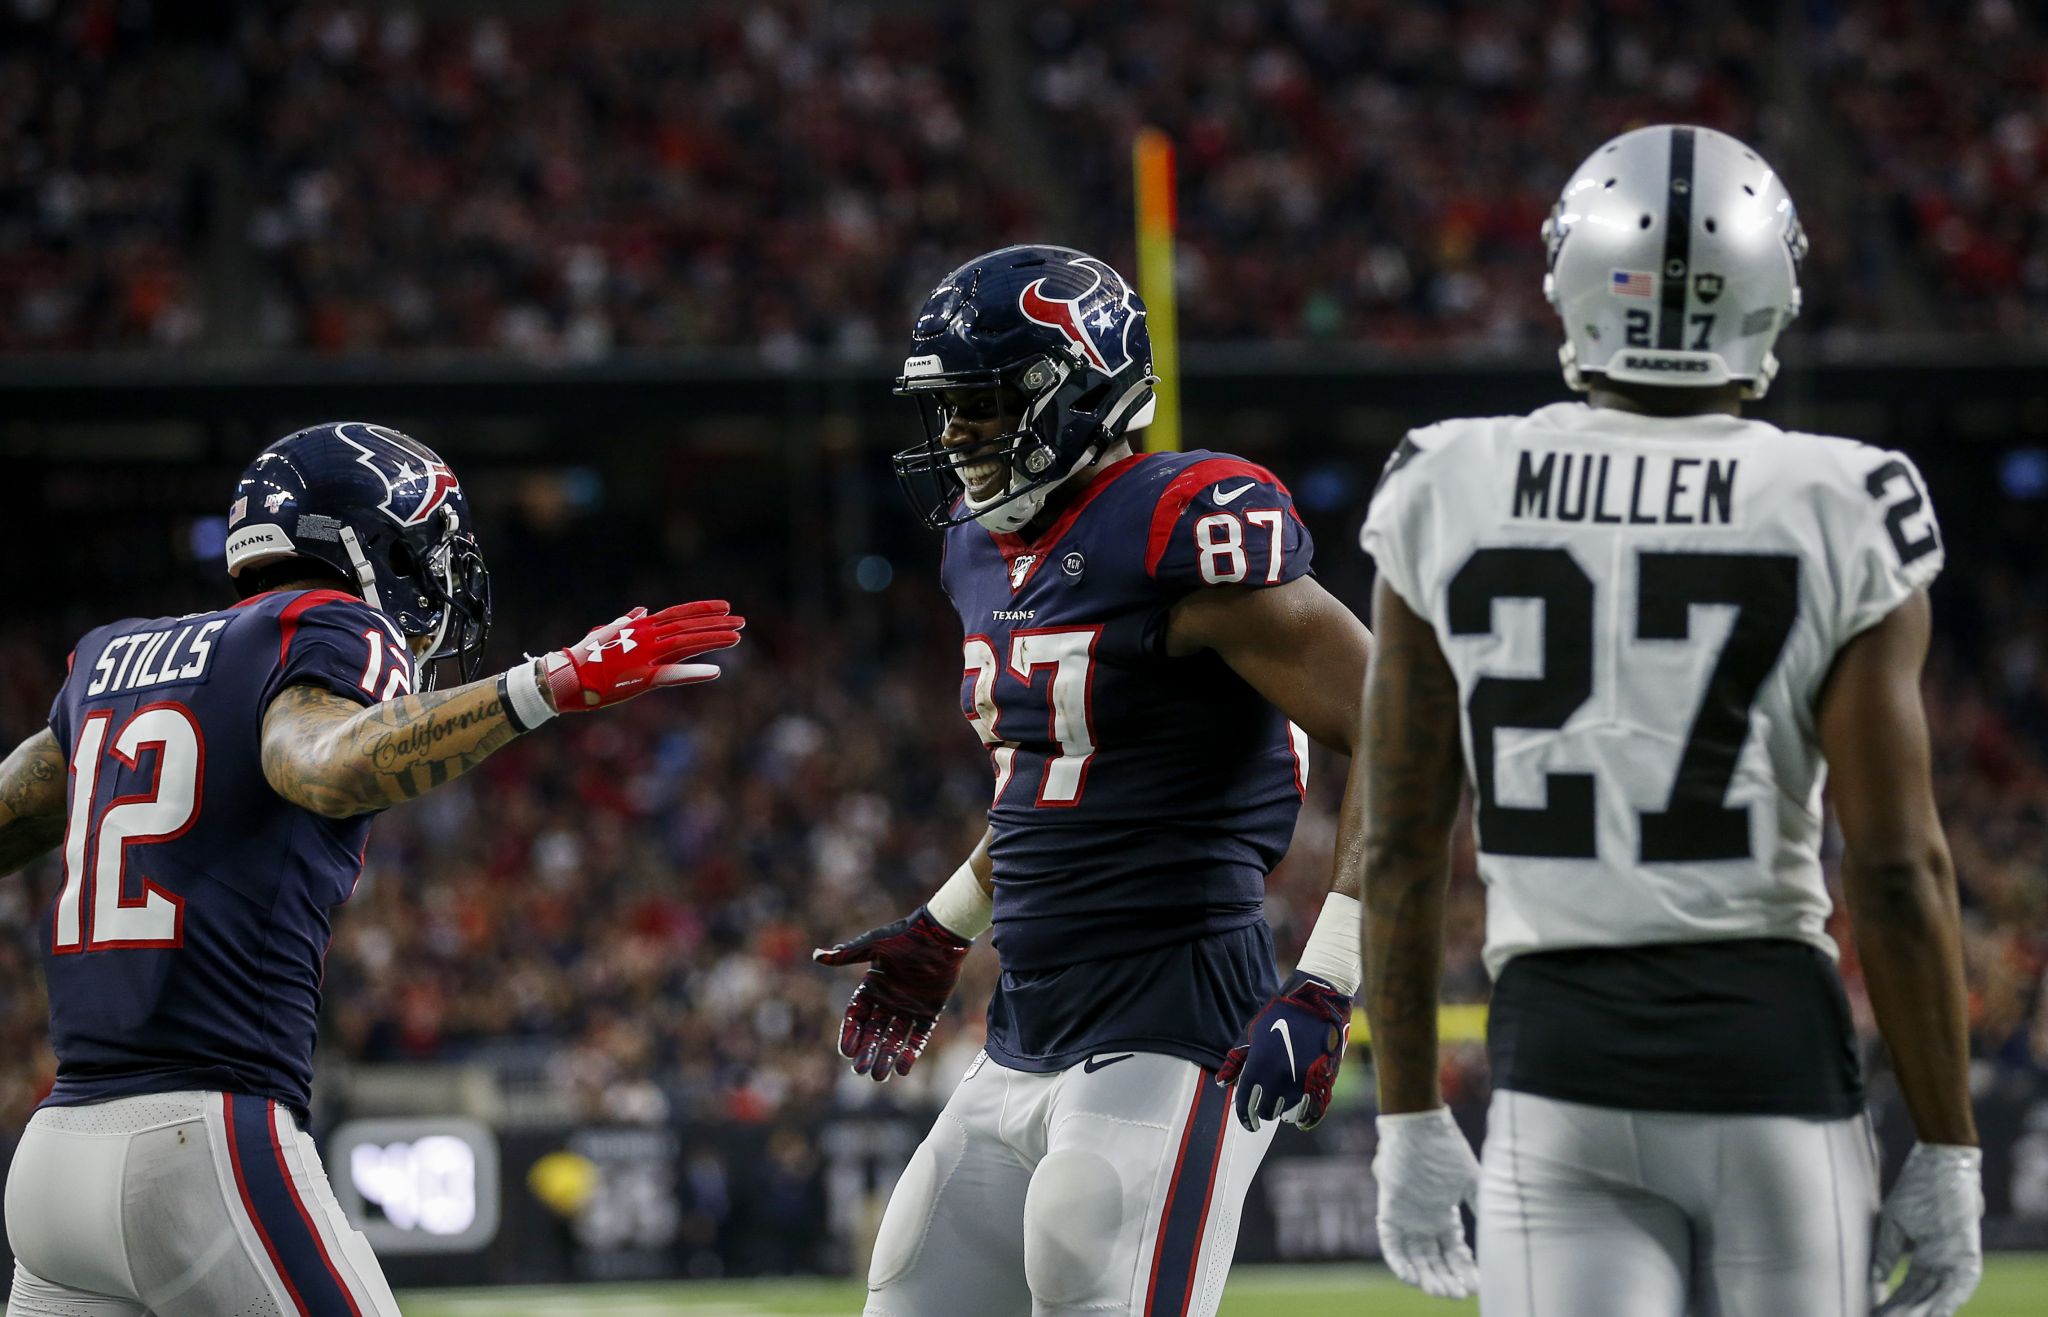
(1674, 259)
(1067, 334)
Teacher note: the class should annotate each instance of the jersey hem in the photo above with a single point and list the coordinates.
(1849, 1105)
(184, 1081)
(1053, 1063)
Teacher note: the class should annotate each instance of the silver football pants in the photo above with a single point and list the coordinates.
(1600, 1212)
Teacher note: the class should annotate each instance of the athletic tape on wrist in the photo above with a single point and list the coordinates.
(1332, 951)
(525, 703)
(1404, 1124)
(963, 906)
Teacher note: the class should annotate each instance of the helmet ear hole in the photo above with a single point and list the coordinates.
(404, 562)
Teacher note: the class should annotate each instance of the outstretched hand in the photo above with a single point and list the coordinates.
(640, 652)
(913, 965)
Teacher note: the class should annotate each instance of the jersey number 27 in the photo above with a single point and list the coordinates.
(1696, 823)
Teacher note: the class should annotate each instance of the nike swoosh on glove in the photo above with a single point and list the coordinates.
(913, 965)
(1425, 1171)
(1933, 1211)
(639, 652)
(1287, 1065)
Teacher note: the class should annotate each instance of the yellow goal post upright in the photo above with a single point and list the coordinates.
(1152, 161)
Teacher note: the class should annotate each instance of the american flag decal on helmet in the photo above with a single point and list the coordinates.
(1632, 283)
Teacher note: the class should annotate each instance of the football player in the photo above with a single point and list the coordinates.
(1144, 649)
(211, 780)
(1647, 630)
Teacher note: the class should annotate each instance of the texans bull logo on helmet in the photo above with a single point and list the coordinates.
(1097, 320)
(413, 485)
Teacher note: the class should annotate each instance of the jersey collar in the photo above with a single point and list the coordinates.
(1586, 418)
(1014, 547)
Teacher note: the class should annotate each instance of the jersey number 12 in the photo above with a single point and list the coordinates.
(94, 909)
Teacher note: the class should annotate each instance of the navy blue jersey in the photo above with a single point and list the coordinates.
(1140, 800)
(184, 948)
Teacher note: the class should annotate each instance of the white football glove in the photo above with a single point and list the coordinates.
(1933, 1210)
(1425, 1170)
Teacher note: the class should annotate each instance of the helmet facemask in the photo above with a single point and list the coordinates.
(443, 593)
(931, 473)
(456, 575)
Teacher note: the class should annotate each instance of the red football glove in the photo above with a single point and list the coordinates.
(915, 963)
(1287, 1065)
(633, 654)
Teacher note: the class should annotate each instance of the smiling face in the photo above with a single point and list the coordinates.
(975, 420)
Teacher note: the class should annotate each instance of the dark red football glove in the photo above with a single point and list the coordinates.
(914, 964)
(634, 654)
(1291, 1052)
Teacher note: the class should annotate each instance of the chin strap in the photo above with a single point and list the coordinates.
(1574, 378)
(1013, 512)
(366, 576)
(1768, 371)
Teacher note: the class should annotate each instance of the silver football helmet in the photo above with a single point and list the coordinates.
(1674, 260)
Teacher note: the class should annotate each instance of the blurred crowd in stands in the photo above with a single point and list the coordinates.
(1379, 171)
(616, 914)
(1953, 148)
(571, 181)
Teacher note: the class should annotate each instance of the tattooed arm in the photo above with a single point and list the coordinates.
(1396, 826)
(31, 801)
(338, 758)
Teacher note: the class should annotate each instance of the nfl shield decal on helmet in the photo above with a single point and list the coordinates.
(415, 481)
(1097, 320)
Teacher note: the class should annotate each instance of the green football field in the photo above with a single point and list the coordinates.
(2014, 1286)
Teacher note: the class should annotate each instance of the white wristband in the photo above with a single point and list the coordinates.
(524, 699)
(1332, 951)
(963, 905)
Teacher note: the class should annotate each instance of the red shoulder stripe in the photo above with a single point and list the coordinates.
(288, 616)
(1166, 514)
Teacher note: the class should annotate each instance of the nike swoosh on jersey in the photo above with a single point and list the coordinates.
(1287, 1041)
(1222, 497)
(1095, 1063)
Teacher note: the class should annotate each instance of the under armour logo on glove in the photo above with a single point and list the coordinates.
(1287, 1066)
(623, 642)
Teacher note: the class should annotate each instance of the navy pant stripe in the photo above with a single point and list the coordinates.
(282, 1220)
(1178, 1253)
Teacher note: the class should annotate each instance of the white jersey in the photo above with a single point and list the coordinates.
(1640, 612)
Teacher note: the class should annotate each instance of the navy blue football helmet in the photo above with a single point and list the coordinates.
(380, 511)
(1059, 330)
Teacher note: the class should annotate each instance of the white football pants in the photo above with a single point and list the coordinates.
(1599, 1212)
(1110, 1188)
(181, 1205)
